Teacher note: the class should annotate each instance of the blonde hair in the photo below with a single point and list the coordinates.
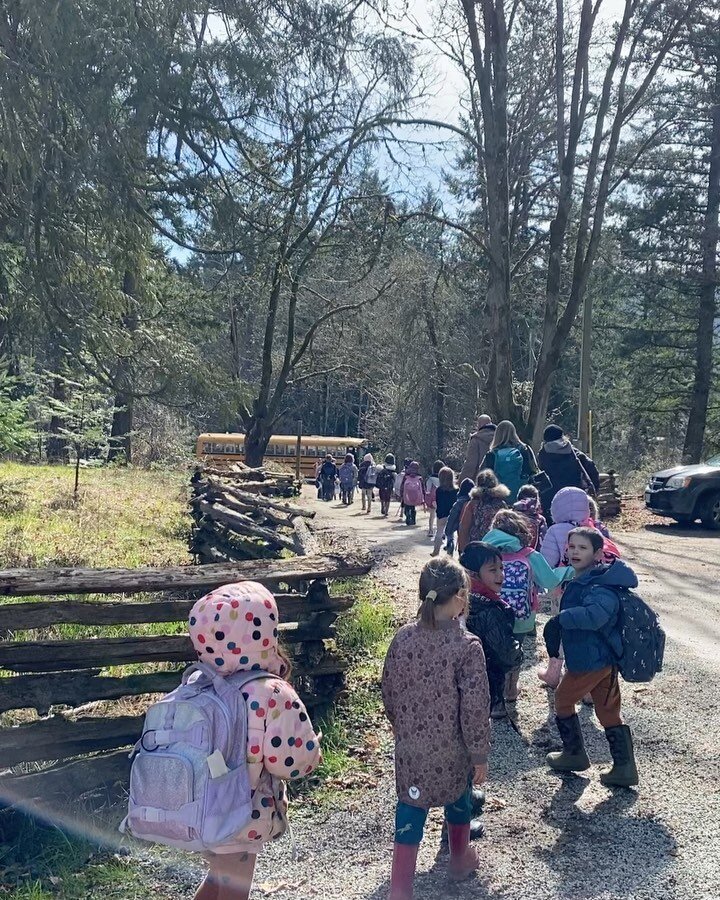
(505, 435)
(487, 487)
(594, 509)
(513, 523)
(440, 581)
(447, 478)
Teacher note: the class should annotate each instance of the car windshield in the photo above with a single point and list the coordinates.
(713, 461)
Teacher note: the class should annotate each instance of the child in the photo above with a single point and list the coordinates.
(524, 571)
(453, 520)
(491, 619)
(528, 505)
(588, 627)
(435, 691)
(234, 628)
(385, 482)
(398, 486)
(328, 477)
(486, 498)
(348, 474)
(570, 507)
(367, 475)
(431, 486)
(412, 493)
(445, 497)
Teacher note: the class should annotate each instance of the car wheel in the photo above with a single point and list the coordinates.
(685, 521)
(710, 511)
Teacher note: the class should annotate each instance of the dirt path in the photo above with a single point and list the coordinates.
(548, 837)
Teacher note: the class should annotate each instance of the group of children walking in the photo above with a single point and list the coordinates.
(458, 666)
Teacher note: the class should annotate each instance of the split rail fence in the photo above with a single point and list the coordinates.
(63, 680)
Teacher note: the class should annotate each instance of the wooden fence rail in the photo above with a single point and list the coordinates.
(66, 677)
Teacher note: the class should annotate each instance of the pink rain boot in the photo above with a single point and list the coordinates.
(403, 871)
(553, 673)
(464, 859)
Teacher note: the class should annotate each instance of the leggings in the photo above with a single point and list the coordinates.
(410, 820)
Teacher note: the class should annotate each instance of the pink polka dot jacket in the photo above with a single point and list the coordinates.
(435, 691)
(234, 628)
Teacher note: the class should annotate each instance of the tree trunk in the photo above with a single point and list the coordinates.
(120, 432)
(695, 433)
(56, 447)
(257, 436)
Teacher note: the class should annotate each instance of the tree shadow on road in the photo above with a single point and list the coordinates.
(605, 849)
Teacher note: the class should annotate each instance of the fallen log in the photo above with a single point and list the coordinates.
(29, 582)
(243, 525)
(255, 500)
(306, 544)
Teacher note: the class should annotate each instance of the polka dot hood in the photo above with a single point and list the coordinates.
(235, 628)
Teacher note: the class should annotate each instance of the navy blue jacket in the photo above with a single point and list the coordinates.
(589, 617)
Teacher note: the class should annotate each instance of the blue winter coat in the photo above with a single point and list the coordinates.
(589, 617)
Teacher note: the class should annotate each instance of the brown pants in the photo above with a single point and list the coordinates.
(605, 691)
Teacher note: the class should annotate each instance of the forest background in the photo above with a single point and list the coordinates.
(231, 216)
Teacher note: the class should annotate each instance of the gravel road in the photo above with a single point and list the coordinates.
(547, 836)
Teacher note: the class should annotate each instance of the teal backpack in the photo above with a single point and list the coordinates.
(508, 468)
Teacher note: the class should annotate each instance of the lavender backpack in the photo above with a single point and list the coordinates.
(189, 784)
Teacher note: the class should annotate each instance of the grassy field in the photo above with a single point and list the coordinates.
(129, 517)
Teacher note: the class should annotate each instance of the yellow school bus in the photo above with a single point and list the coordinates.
(223, 449)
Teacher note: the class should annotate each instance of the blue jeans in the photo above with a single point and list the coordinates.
(410, 820)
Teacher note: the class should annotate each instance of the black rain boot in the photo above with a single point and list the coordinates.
(478, 800)
(477, 828)
(573, 757)
(624, 772)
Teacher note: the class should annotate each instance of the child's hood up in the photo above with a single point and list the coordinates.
(235, 628)
(570, 505)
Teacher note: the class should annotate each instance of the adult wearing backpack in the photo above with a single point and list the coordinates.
(565, 466)
(367, 477)
(512, 461)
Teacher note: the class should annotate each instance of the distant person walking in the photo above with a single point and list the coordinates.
(445, 497)
(512, 461)
(367, 476)
(477, 448)
(328, 478)
(565, 466)
(385, 483)
(348, 474)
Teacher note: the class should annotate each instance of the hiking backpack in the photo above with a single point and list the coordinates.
(518, 590)
(385, 480)
(508, 468)
(643, 639)
(189, 782)
(412, 491)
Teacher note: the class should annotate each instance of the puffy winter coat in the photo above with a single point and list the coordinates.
(493, 622)
(477, 448)
(589, 617)
(564, 466)
(234, 628)
(569, 508)
(477, 516)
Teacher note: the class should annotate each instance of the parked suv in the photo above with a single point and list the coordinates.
(687, 493)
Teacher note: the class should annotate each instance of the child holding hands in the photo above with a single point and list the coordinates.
(435, 691)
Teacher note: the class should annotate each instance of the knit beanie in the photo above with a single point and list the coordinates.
(390, 459)
(552, 433)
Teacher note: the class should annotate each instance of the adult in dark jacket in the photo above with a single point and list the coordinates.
(477, 447)
(565, 466)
